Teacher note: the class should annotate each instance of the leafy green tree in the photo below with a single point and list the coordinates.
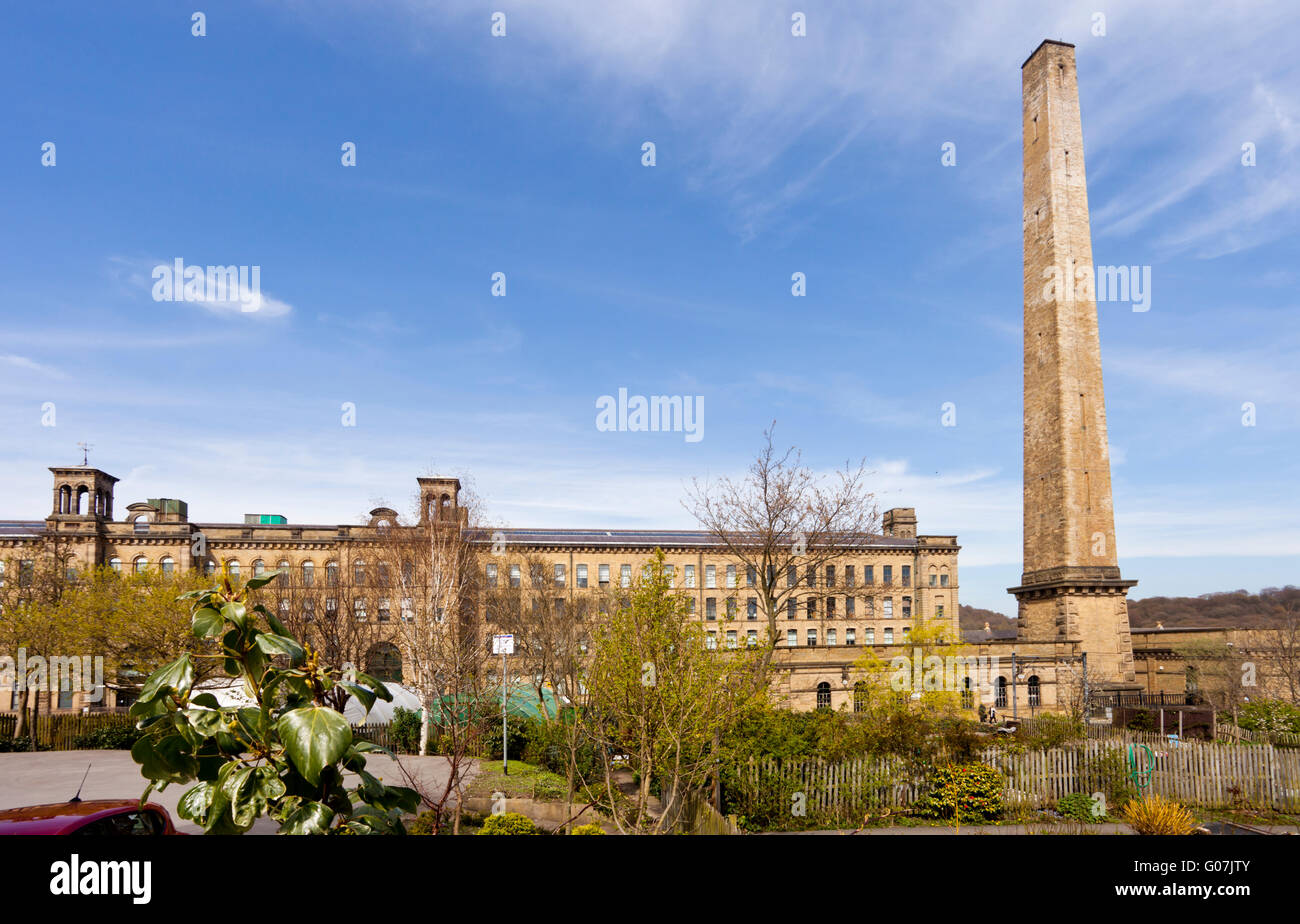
(658, 695)
(284, 757)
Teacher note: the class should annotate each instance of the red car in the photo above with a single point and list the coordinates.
(102, 816)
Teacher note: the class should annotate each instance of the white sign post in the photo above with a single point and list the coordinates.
(503, 645)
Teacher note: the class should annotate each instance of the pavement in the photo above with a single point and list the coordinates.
(53, 776)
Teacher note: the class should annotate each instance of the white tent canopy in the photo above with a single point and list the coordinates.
(230, 691)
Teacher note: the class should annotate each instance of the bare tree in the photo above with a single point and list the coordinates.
(784, 523)
(432, 571)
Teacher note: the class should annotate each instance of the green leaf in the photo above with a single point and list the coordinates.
(207, 700)
(309, 818)
(175, 678)
(236, 613)
(207, 722)
(314, 737)
(280, 645)
(256, 582)
(375, 684)
(206, 621)
(276, 626)
(364, 694)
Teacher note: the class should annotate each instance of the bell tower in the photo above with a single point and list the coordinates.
(82, 494)
(1071, 589)
(439, 500)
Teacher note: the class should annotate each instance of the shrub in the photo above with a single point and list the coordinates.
(1051, 731)
(21, 744)
(423, 824)
(1157, 815)
(109, 738)
(508, 823)
(967, 792)
(404, 730)
(588, 829)
(1080, 807)
(1269, 716)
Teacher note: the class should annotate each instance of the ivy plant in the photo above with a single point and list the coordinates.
(286, 755)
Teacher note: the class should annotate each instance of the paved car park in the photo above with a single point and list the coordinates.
(53, 776)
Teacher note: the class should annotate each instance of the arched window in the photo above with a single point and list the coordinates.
(359, 573)
(168, 565)
(860, 698)
(259, 568)
(1035, 691)
(210, 567)
(115, 564)
(1000, 693)
(81, 500)
(332, 573)
(232, 568)
(823, 695)
(967, 694)
(283, 568)
(308, 574)
(140, 565)
(140, 524)
(384, 662)
(65, 499)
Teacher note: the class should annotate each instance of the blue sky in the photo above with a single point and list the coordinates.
(522, 155)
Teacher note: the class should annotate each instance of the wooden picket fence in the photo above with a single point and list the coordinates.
(1277, 739)
(1205, 774)
(59, 731)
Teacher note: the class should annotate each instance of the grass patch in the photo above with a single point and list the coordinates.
(526, 781)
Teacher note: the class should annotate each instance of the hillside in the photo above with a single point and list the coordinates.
(972, 617)
(1231, 609)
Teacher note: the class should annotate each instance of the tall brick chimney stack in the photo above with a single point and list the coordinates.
(1071, 589)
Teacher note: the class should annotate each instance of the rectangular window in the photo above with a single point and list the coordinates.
(559, 575)
(690, 575)
(830, 607)
(850, 604)
(791, 608)
(831, 637)
(625, 576)
(711, 641)
(751, 638)
(671, 574)
(943, 580)
(537, 575)
(938, 610)
(602, 575)
(514, 575)
(710, 576)
(888, 604)
(582, 575)
(812, 638)
(791, 576)
(408, 609)
(871, 606)
(791, 637)
(731, 575)
(360, 607)
(907, 575)
(850, 637)
(830, 575)
(331, 607)
(384, 611)
(491, 575)
(751, 608)
(812, 607)
(751, 576)
(65, 698)
(934, 578)
(869, 636)
(887, 574)
(731, 638)
(690, 606)
(810, 576)
(849, 578)
(710, 607)
(308, 609)
(868, 574)
(557, 607)
(731, 607)
(889, 636)
(907, 607)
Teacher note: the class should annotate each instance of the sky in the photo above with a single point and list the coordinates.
(379, 350)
